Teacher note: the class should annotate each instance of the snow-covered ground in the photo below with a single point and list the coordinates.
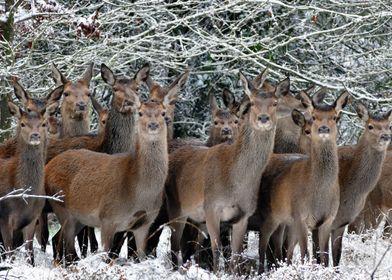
(361, 257)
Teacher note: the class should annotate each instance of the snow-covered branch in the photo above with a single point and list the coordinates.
(24, 194)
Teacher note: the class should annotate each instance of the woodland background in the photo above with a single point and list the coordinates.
(334, 43)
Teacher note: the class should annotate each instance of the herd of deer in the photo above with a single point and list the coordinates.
(271, 164)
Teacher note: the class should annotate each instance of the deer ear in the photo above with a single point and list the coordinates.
(229, 100)
(96, 105)
(143, 73)
(306, 101)
(244, 107)
(175, 87)
(213, 104)
(246, 85)
(319, 96)
(389, 115)
(58, 77)
(362, 111)
(88, 74)
(107, 75)
(55, 95)
(298, 118)
(309, 89)
(15, 110)
(283, 88)
(342, 101)
(20, 93)
(260, 79)
(50, 109)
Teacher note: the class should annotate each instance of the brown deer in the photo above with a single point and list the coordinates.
(207, 184)
(158, 93)
(30, 104)
(120, 128)
(360, 169)
(282, 201)
(121, 194)
(378, 203)
(24, 170)
(76, 99)
(58, 145)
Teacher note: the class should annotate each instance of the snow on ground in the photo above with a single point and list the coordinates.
(362, 254)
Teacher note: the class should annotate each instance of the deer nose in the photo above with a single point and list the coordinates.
(128, 103)
(226, 131)
(386, 137)
(323, 130)
(35, 136)
(153, 125)
(264, 118)
(82, 106)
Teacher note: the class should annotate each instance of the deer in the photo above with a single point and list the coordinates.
(30, 104)
(126, 196)
(158, 93)
(120, 128)
(24, 170)
(58, 145)
(378, 204)
(75, 104)
(360, 169)
(207, 184)
(279, 205)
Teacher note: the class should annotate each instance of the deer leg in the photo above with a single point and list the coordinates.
(324, 234)
(292, 240)
(141, 235)
(213, 227)
(68, 232)
(131, 245)
(177, 229)
(316, 245)
(118, 241)
(83, 241)
(267, 227)
(8, 240)
(336, 239)
(237, 241)
(276, 241)
(42, 231)
(93, 240)
(302, 234)
(189, 241)
(28, 236)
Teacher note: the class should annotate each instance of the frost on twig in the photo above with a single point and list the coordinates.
(24, 194)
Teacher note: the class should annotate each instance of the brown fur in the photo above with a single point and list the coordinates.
(30, 104)
(360, 169)
(207, 184)
(75, 104)
(284, 203)
(120, 128)
(122, 185)
(24, 169)
(158, 93)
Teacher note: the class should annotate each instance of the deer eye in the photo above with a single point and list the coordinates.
(390, 128)
(307, 131)
(236, 121)
(275, 104)
(370, 127)
(313, 118)
(44, 124)
(29, 110)
(103, 122)
(215, 123)
(22, 125)
(140, 114)
(163, 114)
(335, 118)
(66, 93)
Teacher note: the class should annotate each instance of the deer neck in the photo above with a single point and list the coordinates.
(324, 162)
(253, 150)
(120, 133)
(366, 166)
(30, 166)
(74, 125)
(152, 159)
